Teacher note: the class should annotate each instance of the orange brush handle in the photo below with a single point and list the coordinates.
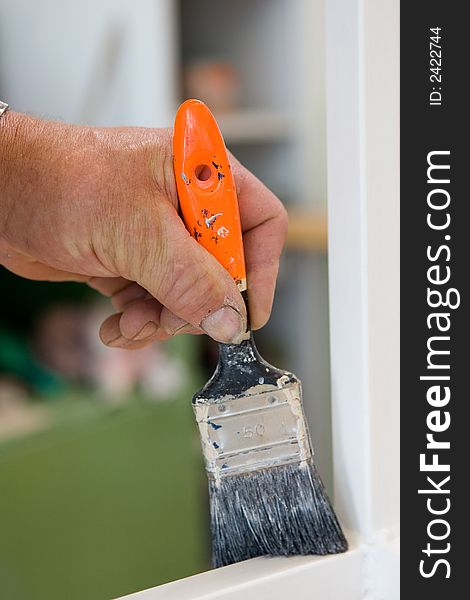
(206, 188)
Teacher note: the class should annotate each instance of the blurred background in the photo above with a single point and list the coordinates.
(102, 488)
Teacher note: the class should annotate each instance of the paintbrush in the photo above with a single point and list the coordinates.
(266, 497)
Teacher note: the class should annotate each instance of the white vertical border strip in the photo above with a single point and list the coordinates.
(382, 191)
(363, 211)
(347, 257)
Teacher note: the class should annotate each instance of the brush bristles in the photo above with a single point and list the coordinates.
(279, 511)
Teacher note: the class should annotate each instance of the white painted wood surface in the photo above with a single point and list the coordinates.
(362, 49)
(363, 209)
(273, 578)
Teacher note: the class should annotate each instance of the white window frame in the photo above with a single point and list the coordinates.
(362, 72)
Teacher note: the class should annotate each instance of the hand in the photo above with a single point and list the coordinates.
(100, 206)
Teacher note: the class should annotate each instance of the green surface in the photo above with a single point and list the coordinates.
(103, 504)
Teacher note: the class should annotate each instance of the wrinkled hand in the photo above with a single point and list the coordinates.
(100, 206)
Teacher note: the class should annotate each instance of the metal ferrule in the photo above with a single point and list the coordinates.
(247, 433)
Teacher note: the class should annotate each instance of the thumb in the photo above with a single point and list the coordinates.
(187, 280)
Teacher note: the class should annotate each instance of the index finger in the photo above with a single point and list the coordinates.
(264, 224)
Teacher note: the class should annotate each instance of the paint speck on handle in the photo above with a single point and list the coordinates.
(261, 380)
(185, 179)
(222, 232)
(214, 425)
(211, 220)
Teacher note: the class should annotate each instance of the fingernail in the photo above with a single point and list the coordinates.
(225, 325)
(182, 329)
(188, 328)
(174, 324)
(147, 331)
(119, 342)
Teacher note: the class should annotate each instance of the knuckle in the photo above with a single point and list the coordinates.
(282, 218)
(161, 161)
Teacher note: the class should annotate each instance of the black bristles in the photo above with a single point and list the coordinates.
(278, 511)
